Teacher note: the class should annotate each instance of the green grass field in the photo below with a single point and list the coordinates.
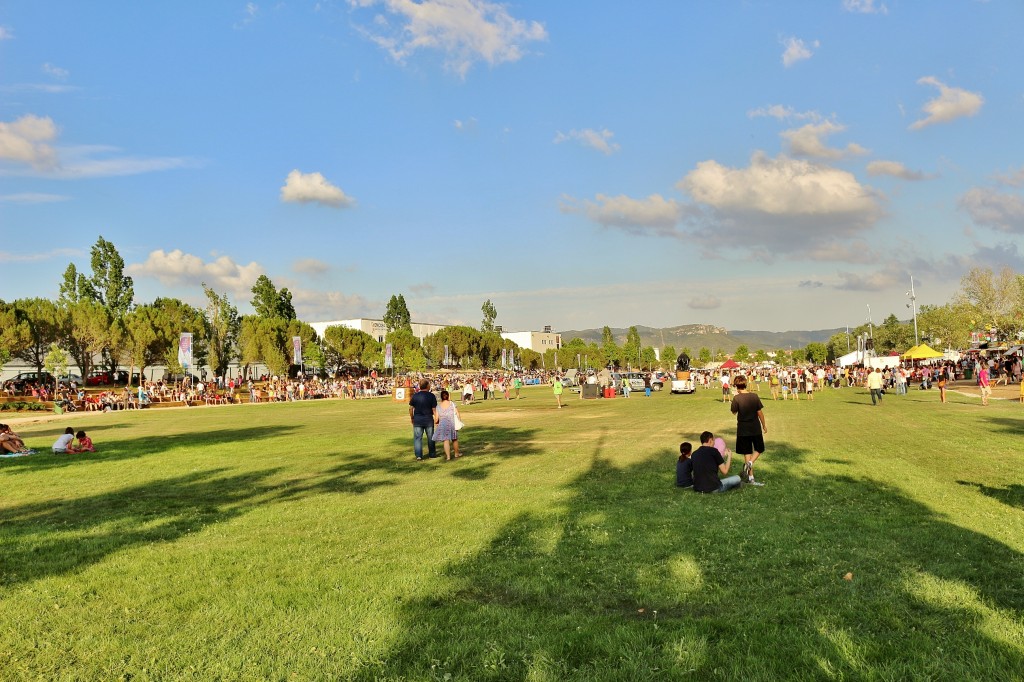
(303, 542)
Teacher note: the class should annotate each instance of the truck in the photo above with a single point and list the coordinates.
(683, 383)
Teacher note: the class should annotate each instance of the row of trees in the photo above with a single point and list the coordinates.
(94, 317)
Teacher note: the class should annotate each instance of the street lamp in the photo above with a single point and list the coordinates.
(913, 303)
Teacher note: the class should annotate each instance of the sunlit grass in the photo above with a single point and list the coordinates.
(302, 541)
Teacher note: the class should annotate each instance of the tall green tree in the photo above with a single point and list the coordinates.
(490, 314)
(14, 333)
(704, 355)
(352, 345)
(397, 316)
(222, 327)
(816, 352)
(631, 348)
(267, 301)
(109, 286)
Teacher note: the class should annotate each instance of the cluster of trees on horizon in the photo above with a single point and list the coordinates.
(95, 316)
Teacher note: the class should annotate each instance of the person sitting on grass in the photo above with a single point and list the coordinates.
(11, 443)
(684, 466)
(708, 463)
(84, 443)
(62, 444)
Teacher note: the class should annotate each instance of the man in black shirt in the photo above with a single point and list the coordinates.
(423, 413)
(750, 425)
(707, 464)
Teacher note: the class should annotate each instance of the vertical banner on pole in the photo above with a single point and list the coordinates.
(504, 353)
(447, 357)
(297, 350)
(388, 358)
(185, 351)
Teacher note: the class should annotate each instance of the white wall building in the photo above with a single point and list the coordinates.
(537, 341)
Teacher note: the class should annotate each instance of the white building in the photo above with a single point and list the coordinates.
(537, 341)
(376, 328)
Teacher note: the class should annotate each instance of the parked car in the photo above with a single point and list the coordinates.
(25, 378)
(178, 378)
(105, 378)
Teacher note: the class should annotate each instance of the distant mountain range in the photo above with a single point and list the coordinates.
(697, 336)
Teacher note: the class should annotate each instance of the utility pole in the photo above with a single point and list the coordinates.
(913, 303)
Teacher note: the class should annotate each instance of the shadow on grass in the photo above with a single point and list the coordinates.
(1012, 495)
(1007, 425)
(130, 448)
(634, 579)
(483, 448)
(61, 536)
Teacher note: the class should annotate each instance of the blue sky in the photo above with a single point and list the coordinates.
(756, 165)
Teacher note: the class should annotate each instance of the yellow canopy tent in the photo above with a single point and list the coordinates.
(922, 352)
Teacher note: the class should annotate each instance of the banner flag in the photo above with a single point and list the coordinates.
(185, 351)
(389, 360)
(297, 350)
(447, 358)
(504, 354)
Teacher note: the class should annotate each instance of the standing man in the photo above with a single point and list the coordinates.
(985, 384)
(647, 385)
(625, 386)
(423, 414)
(517, 384)
(556, 386)
(874, 383)
(750, 427)
(707, 464)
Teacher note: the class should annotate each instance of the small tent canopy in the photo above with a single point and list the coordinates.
(922, 352)
(729, 364)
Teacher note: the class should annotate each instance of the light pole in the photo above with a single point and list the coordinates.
(913, 304)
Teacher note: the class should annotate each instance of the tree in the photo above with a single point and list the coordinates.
(893, 335)
(14, 333)
(704, 355)
(816, 352)
(397, 316)
(611, 354)
(489, 316)
(108, 286)
(38, 325)
(668, 357)
(269, 302)
(760, 356)
(991, 295)
(85, 332)
(222, 327)
(631, 348)
(648, 357)
(73, 285)
(948, 325)
(56, 363)
(352, 345)
(742, 353)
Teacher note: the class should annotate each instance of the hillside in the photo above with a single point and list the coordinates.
(697, 336)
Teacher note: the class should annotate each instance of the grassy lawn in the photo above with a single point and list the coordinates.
(302, 541)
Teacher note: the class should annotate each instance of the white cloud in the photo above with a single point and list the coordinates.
(865, 7)
(639, 216)
(809, 141)
(311, 266)
(997, 210)
(896, 170)
(177, 268)
(6, 257)
(951, 104)
(1012, 178)
(467, 126)
(55, 71)
(705, 302)
(49, 88)
(782, 113)
(32, 198)
(313, 187)
(25, 141)
(889, 277)
(797, 50)
(250, 13)
(588, 137)
(314, 306)
(422, 289)
(6, 33)
(782, 206)
(26, 149)
(466, 31)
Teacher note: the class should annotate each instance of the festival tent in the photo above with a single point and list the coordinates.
(729, 364)
(922, 352)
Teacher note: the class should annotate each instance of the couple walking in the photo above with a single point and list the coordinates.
(426, 414)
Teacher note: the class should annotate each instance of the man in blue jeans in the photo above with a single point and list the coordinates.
(423, 413)
(707, 464)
